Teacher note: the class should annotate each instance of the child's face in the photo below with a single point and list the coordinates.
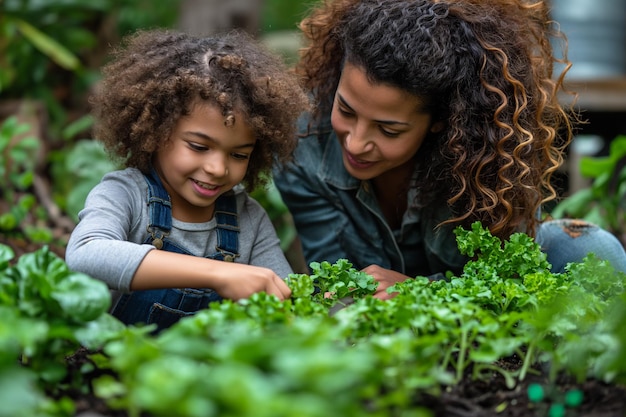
(380, 127)
(203, 159)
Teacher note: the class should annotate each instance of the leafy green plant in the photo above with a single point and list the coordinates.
(66, 308)
(339, 280)
(604, 202)
(81, 166)
(18, 151)
(41, 51)
(431, 334)
(50, 51)
(22, 38)
(265, 357)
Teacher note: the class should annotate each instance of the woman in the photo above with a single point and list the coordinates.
(430, 114)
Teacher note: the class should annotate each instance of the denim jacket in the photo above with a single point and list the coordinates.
(338, 216)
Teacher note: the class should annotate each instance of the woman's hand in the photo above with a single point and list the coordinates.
(385, 278)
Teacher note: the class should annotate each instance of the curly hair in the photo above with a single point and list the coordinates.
(156, 76)
(484, 68)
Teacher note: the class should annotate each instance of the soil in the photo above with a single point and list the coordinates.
(493, 399)
(469, 398)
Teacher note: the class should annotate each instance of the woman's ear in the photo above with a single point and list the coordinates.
(437, 127)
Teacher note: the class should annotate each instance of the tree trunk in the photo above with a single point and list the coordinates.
(208, 17)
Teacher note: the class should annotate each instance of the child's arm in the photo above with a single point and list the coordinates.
(106, 244)
(230, 280)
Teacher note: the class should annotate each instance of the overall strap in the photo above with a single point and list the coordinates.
(159, 208)
(227, 227)
(160, 223)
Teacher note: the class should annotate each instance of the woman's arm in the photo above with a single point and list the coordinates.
(317, 220)
(258, 242)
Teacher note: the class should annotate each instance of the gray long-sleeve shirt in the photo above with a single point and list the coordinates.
(107, 243)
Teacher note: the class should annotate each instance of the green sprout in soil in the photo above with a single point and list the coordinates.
(554, 402)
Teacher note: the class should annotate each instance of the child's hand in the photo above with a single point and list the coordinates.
(161, 269)
(252, 279)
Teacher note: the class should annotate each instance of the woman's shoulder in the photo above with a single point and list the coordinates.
(315, 139)
(314, 132)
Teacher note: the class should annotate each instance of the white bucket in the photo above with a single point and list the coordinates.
(596, 33)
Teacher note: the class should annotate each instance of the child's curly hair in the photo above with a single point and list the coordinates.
(484, 68)
(157, 75)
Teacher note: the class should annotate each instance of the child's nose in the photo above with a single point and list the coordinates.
(216, 165)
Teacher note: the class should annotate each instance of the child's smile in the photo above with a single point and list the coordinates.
(205, 189)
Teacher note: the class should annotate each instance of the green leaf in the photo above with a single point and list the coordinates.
(81, 297)
(48, 46)
(618, 147)
(8, 221)
(82, 124)
(598, 217)
(19, 394)
(6, 254)
(593, 167)
(96, 333)
(575, 205)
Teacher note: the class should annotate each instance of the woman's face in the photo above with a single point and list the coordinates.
(380, 127)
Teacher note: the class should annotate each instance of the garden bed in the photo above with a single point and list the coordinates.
(468, 398)
(505, 338)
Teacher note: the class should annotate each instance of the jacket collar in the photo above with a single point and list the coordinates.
(331, 169)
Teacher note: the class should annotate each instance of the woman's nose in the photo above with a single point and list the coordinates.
(357, 141)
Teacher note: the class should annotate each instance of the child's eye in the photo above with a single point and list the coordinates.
(240, 156)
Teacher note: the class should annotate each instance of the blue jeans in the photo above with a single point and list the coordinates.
(166, 306)
(567, 240)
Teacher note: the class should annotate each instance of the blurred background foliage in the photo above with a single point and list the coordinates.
(51, 52)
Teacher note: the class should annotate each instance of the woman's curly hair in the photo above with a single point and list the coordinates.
(484, 68)
(156, 76)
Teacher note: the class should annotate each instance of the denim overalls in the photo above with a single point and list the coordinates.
(166, 306)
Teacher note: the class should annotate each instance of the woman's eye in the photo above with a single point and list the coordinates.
(388, 133)
(345, 112)
(197, 146)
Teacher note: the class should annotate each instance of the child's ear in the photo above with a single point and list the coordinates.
(437, 127)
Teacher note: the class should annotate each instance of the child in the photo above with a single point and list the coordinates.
(191, 118)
